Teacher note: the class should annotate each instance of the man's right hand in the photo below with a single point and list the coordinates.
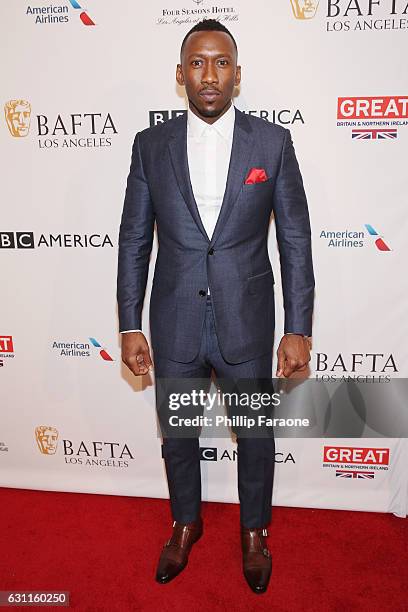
(136, 353)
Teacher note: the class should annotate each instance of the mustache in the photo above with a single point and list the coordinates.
(209, 89)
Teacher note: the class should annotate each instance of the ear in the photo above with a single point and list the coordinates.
(237, 76)
(179, 75)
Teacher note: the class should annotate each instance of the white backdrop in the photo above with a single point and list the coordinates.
(77, 83)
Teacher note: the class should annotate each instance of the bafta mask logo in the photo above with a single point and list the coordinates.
(304, 9)
(18, 115)
(47, 439)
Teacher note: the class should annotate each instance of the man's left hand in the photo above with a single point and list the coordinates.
(293, 355)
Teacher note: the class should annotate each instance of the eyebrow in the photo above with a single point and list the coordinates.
(205, 55)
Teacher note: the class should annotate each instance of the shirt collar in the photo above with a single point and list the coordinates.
(223, 126)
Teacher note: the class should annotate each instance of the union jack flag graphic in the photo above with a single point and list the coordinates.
(354, 474)
(374, 134)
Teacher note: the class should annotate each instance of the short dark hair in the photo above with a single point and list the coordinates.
(208, 25)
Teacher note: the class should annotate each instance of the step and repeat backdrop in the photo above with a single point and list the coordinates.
(78, 81)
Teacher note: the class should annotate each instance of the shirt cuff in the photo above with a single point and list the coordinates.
(295, 334)
(127, 331)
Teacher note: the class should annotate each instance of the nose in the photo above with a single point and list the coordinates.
(209, 75)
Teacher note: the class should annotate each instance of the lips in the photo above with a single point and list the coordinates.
(209, 95)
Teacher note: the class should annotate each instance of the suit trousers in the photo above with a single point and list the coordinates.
(256, 456)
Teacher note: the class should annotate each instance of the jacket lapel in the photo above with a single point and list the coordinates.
(241, 150)
(178, 154)
(242, 145)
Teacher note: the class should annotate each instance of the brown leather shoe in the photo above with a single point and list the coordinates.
(174, 556)
(257, 560)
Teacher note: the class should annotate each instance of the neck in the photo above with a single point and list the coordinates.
(210, 119)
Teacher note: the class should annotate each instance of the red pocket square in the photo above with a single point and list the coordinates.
(256, 175)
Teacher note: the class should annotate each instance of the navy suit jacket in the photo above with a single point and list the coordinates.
(234, 262)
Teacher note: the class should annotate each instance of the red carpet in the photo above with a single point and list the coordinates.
(103, 549)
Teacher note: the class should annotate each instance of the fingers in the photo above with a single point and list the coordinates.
(291, 365)
(293, 356)
(143, 362)
(137, 365)
(136, 355)
(142, 367)
(147, 358)
(281, 363)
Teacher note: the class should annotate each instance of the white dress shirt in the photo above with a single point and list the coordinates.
(208, 155)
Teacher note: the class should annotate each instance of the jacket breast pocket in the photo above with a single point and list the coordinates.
(248, 187)
(261, 282)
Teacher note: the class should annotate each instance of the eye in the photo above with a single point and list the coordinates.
(223, 62)
(196, 63)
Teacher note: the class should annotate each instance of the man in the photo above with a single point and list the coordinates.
(211, 180)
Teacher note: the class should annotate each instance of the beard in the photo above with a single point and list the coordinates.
(210, 112)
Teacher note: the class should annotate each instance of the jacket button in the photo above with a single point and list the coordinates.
(211, 251)
(202, 292)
